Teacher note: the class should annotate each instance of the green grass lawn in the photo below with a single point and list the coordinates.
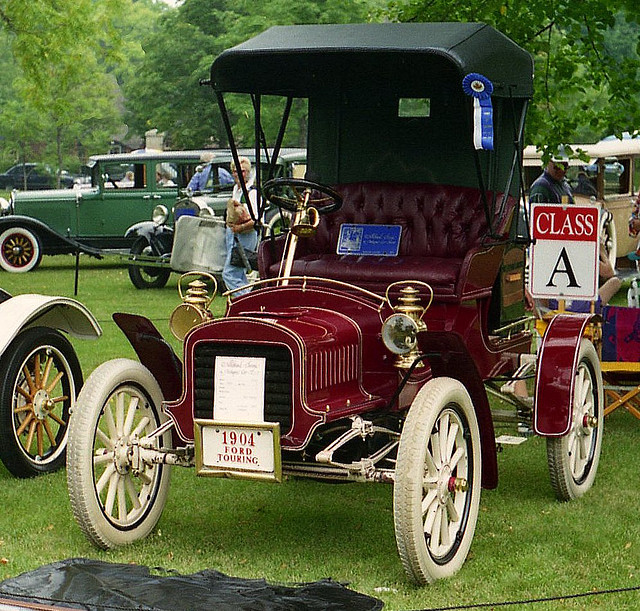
(527, 545)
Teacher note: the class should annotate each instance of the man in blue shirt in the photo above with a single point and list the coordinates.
(200, 180)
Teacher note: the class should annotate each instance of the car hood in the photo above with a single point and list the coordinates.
(49, 194)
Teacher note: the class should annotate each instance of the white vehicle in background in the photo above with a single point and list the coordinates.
(40, 378)
(611, 176)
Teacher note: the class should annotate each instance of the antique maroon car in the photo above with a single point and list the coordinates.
(381, 320)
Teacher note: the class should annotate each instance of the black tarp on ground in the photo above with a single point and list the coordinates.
(91, 585)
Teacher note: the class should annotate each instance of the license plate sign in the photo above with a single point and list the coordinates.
(239, 450)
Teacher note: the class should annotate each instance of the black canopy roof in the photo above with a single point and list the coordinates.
(300, 60)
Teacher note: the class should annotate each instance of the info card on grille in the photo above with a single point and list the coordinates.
(239, 389)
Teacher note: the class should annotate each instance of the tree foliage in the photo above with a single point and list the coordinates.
(62, 50)
(166, 95)
(586, 74)
(78, 72)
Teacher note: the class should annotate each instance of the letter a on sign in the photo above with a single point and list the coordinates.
(563, 266)
(564, 253)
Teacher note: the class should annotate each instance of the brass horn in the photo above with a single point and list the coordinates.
(306, 222)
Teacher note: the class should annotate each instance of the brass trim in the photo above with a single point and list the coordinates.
(304, 280)
(236, 473)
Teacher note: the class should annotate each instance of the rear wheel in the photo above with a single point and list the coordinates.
(608, 238)
(146, 277)
(20, 250)
(116, 497)
(39, 379)
(437, 487)
(573, 459)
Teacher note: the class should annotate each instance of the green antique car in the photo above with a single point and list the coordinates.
(125, 188)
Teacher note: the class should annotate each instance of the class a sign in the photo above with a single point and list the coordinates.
(565, 251)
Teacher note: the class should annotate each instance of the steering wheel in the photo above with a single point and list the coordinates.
(291, 193)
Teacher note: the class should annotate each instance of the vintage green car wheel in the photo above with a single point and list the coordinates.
(20, 250)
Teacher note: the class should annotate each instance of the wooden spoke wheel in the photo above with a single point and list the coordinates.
(39, 379)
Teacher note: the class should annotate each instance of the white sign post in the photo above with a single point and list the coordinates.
(565, 252)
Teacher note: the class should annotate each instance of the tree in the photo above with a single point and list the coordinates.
(63, 49)
(165, 93)
(583, 83)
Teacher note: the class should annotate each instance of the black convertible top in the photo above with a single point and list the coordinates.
(301, 60)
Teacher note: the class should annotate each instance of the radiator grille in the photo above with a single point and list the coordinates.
(278, 383)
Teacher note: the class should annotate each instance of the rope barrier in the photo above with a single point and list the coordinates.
(530, 601)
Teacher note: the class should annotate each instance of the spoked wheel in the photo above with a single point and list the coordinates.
(276, 223)
(20, 250)
(608, 237)
(39, 379)
(573, 459)
(437, 487)
(116, 497)
(146, 277)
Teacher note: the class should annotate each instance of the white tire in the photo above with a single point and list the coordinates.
(20, 250)
(438, 477)
(608, 237)
(573, 459)
(112, 502)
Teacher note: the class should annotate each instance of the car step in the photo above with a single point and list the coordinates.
(510, 440)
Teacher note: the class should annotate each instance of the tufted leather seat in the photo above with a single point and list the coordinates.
(445, 240)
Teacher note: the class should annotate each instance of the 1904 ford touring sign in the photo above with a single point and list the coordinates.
(362, 354)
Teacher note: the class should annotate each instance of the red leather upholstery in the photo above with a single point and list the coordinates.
(445, 239)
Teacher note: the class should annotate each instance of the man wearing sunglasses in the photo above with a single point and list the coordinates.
(552, 186)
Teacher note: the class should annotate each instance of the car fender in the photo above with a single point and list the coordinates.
(154, 352)
(148, 230)
(449, 356)
(62, 313)
(159, 237)
(556, 367)
(144, 229)
(51, 240)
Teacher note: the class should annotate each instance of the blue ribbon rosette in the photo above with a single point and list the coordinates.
(480, 89)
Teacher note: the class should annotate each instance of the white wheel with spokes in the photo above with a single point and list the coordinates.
(573, 459)
(39, 379)
(608, 237)
(116, 496)
(437, 486)
(20, 250)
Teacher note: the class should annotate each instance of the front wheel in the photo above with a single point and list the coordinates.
(573, 459)
(437, 486)
(20, 250)
(116, 497)
(40, 377)
(146, 277)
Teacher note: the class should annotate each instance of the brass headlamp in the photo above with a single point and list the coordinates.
(400, 330)
(194, 309)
